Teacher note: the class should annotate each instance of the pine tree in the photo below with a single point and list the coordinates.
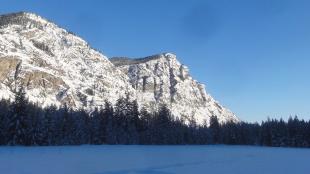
(215, 129)
(19, 120)
(145, 129)
(307, 136)
(37, 130)
(96, 123)
(52, 130)
(110, 132)
(67, 126)
(80, 132)
(25, 123)
(133, 122)
(4, 121)
(162, 120)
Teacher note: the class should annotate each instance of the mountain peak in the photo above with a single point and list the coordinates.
(23, 18)
(21, 13)
(54, 66)
(170, 55)
(58, 68)
(162, 79)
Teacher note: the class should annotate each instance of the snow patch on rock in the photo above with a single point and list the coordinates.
(57, 67)
(162, 79)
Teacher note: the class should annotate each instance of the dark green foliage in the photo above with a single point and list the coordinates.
(215, 129)
(24, 123)
(4, 121)
(19, 120)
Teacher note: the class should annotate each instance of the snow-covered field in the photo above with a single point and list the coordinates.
(153, 160)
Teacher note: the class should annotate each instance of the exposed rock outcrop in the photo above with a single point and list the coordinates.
(57, 67)
(162, 79)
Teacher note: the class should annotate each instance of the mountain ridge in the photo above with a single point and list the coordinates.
(162, 79)
(57, 67)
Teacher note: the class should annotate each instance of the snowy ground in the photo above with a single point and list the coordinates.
(153, 160)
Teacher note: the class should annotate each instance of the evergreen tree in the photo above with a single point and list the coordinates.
(19, 120)
(215, 129)
(4, 121)
(37, 127)
(265, 135)
(162, 120)
(80, 132)
(96, 127)
(145, 129)
(133, 122)
(52, 129)
(67, 126)
(25, 123)
(110, 129)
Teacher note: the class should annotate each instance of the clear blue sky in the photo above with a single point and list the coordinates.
(253, 55)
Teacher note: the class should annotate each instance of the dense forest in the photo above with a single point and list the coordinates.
(25, 123)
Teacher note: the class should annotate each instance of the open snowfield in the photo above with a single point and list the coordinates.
(153, 160)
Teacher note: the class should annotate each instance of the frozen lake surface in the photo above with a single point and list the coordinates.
(153, 160)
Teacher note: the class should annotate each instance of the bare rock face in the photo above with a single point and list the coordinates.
(162, 79)
(56, 67)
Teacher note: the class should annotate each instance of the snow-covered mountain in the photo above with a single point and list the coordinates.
(57, 67)
(162, 79)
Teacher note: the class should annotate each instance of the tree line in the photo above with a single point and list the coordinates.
(25, 123)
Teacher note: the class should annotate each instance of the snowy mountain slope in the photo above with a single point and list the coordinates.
(56, 67)
(162, 79)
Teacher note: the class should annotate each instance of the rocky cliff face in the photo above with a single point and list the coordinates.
(162, 79)
(57, 67)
